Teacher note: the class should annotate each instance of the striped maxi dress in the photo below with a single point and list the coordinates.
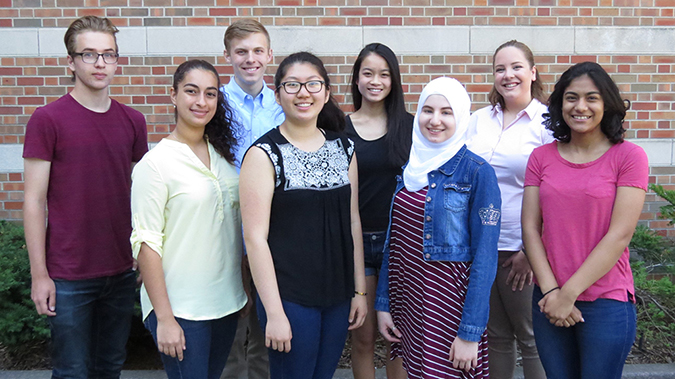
(426, 298)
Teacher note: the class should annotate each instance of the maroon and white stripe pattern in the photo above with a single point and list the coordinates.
(426, 298)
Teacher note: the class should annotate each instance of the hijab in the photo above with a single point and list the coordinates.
(428, 156)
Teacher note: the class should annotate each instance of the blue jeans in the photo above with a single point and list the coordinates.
(207, 345)
(594, 349)
(319, 335)
(373, 251)
(91, 326)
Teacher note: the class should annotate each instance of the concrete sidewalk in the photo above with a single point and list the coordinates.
(664, 371)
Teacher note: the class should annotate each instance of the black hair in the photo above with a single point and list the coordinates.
(399, 126)
(615, 108)
(220, 129)
(331, 116)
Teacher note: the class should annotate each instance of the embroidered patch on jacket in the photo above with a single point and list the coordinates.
(489, 216)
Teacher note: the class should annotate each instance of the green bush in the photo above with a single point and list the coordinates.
(667, 211)
(19, 322)
(652, 248)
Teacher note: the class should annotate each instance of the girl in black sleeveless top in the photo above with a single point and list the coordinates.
(382, 133)
(299, 203)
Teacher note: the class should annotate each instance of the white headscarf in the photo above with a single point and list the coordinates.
(427, 156)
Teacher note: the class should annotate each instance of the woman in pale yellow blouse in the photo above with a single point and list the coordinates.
(187, 230)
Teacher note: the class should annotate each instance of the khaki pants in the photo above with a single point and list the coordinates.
(510, 323)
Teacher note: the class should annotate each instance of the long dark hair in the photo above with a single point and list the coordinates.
(399, 126)
(331, 116)
(615, 108)
(220, 129)
(536, 89)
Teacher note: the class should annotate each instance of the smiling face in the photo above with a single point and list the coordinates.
(196, 98)
(436, 119)
(249, 58)
(583, 107)
(302, 107)
(374, 80)
(513, 75)
(93, 76)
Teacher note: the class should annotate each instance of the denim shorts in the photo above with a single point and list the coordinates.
(373, 246)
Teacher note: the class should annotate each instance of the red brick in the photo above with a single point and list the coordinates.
(13, 186)
(374, 20)
(13, 204)
(222, 11)
(10, 110)
(11, 71)
(26, 100)
(15, 177)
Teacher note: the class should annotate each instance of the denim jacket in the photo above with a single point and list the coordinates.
(461, 224)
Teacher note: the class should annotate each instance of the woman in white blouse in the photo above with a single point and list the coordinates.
(504, 134)
(187, 230)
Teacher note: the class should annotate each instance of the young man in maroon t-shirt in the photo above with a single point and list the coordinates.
(78, 155)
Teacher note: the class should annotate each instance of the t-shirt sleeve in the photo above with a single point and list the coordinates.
(141, 141)
(634, 169)
(149, 195)
(40, 139)
(533, 172)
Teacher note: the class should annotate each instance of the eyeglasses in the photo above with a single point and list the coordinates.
(312, 86)
(91, 57)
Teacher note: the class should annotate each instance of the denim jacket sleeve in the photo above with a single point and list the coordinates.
(484, 224)
(382, 297)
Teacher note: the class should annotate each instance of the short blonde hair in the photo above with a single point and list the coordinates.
(243, 28)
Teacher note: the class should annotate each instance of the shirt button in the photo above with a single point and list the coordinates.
(428, 236)
(428, 218)
(427, 256)
(433, 185)
(373, 237)
(428, 199)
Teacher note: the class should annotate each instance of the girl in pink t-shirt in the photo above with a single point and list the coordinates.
(583, 196)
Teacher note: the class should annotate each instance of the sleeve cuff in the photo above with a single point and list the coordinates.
(470, 333)
(382, 304)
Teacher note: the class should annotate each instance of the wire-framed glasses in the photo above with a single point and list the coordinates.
(312, 86)
(92, 57)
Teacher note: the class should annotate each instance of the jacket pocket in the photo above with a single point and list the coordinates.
(456, 196)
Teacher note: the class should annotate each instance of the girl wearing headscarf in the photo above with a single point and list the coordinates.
(441, 247)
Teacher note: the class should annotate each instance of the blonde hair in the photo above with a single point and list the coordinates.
(243, 28)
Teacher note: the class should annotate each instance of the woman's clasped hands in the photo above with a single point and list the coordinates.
(559, 308)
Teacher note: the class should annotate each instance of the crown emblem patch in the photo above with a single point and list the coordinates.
(489, 216)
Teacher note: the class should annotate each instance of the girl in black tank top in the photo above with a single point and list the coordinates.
(382, 133)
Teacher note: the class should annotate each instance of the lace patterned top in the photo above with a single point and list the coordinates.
(310, 228)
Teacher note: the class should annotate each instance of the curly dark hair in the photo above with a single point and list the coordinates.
(220, 131)
(331, 116)
(615, 107)
(399, 127)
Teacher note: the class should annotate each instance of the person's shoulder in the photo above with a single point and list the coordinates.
(475, 159)
(271, 135)
(627, 150)
(135, 115)
(61, 106)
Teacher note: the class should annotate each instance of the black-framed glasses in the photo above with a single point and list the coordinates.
(92, 57)
(312, 86)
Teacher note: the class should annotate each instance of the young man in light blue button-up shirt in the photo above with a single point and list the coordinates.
(247, 48)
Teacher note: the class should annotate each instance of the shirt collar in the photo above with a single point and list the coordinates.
(531, 110)
(265, 97)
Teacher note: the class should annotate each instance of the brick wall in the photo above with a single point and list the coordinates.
(143, 81)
